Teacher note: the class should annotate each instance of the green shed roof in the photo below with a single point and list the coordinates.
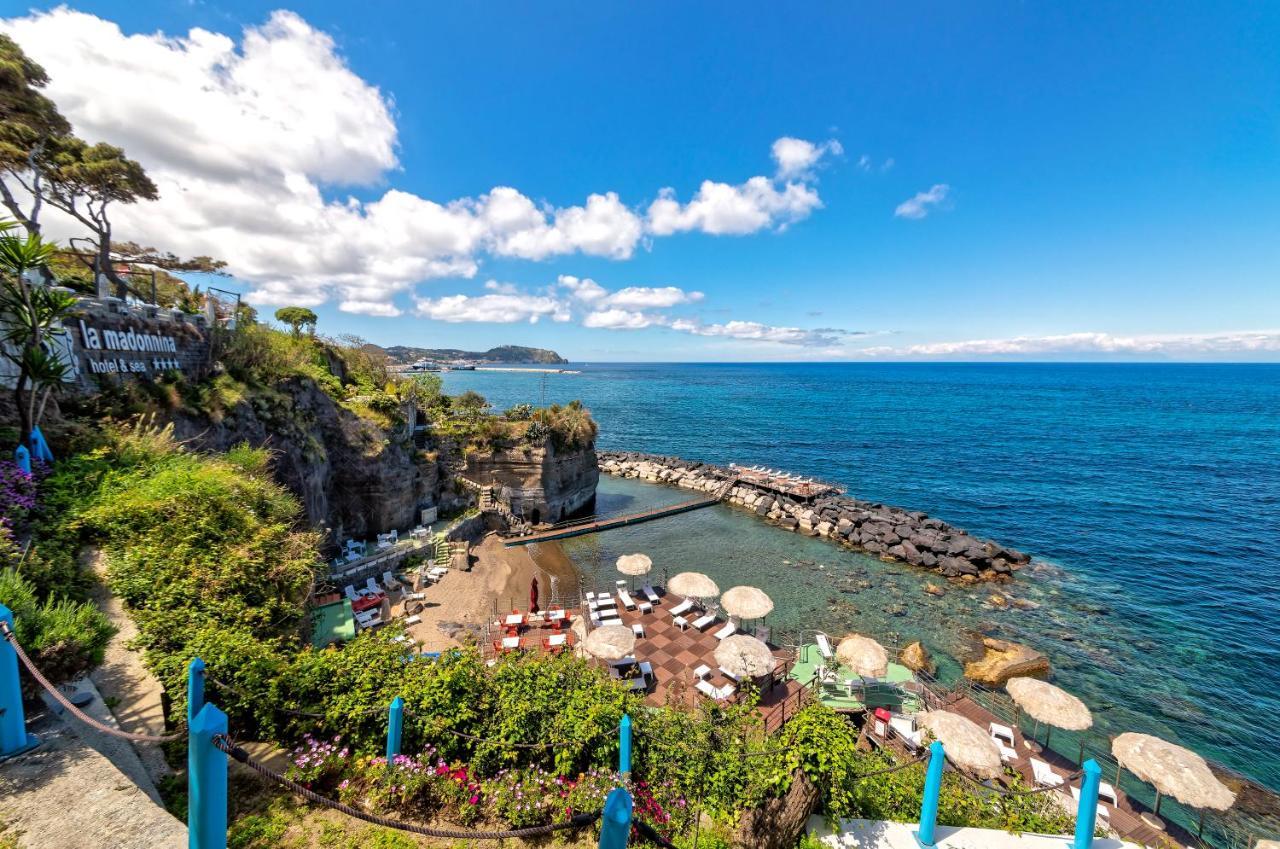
(332, 623)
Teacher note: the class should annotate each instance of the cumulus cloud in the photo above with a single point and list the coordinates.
(920, 205)
(796, 158)
(1093, 343)
(632, 297)
(618, 319)
(753, 331)
(492, 309)
(248, 140)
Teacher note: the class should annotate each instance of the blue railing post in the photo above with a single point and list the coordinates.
(1087, 810)
(624, 746)
(615, 820)
(22, 457)
(14, 738)
(395, 727)
(195, 688)
(206, 781)
(932, 790)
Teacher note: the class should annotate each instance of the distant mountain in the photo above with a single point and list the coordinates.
(404, 355)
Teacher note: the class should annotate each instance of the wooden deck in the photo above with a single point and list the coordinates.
(1125, 818)
(591, 526)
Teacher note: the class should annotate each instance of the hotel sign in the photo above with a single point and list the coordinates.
(158, 347)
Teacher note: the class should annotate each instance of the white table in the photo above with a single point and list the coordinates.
(514, 619)
(557, 639)
(556, 615)
(511, 642)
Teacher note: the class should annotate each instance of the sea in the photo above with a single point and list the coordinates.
(1148, 495)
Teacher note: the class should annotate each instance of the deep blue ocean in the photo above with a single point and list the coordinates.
(1148, 494)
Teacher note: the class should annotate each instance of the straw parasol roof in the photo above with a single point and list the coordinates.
(745, 656)
(746, 602)
(610, 642)
(1267, 844)
(1049, 704)
(693, 584)
(967, 746)
(634, 564)
(863, 655)
(1172, 770)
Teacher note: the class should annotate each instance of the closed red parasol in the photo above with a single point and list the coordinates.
(533, 596)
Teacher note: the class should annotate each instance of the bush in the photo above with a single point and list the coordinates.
(64, 638)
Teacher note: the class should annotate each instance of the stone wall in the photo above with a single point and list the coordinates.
(892, 533)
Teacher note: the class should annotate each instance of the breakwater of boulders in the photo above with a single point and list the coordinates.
(891, 533)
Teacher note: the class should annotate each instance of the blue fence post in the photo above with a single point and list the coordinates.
(624, 746)
(14, 738)
(195, 688)
(1087, 810)
(932, 789)
(615, 820)
(206, 781)
(395, 727)
(22, 457)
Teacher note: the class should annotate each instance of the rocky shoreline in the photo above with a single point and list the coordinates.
(891, 533)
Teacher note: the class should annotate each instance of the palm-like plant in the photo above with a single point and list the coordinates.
(29, 317)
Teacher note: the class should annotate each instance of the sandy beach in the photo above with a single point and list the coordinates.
(457, 608)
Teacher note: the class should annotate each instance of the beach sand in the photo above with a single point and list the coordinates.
(457, 608)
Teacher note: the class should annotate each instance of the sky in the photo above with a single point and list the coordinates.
(717, 181)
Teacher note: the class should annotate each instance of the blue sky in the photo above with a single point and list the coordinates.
(1109, 173)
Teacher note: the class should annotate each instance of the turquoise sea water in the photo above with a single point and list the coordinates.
(1149, 494)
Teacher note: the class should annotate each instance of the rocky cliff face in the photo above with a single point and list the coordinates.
(538, 483)
(352, 477)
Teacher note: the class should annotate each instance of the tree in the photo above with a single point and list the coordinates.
(297, 318)
(29, 317)
(28, 120)
(83, 180)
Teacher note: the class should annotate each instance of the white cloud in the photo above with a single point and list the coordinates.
(722, 209)
(754, 331)
(247, 140)
(1093, 343)
(501, 288)
(920, 205)
(617, 319)
(495, 309)
(632, 297)
(583, 289)
(796, 158)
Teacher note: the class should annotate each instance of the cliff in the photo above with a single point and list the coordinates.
(351, 476)
(538, 483)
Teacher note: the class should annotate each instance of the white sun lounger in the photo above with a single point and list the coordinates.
(625, 598)
(1007, 754)
(1104, 813)
(703, 621)
(726, 631)
(389, 581)
(726, 673)
(650, 594)
(683, 607)
(1001, 732)
(413, 620)
(905, 728)
(824, 647)
(351, 592)
(372, 585)
(1044, 774)
(704, 687)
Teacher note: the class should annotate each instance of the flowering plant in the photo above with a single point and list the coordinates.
(17, 493)
(317, 763)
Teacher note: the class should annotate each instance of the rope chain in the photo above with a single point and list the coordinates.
(224, 744)
(75, 711)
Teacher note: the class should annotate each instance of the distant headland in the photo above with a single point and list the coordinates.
(407, 355)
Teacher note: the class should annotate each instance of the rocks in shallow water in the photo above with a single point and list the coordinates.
(878, 529)
(933, 589)
(1002, 660)
(916, 657)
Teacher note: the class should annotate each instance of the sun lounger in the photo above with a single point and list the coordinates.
(625, 598)
(414, 596)
(683, 607)
(650, 594)
(725, 692)
(824, 647)
(413, 620)
(1001, 732)
(726, 673)
(703, 621)
(726, 631)
(1106, 791)
(1007, 755)
(368, 619)
(389, 581)
(372, 586)
(351, 593)
(1104, 813)
(704, 687)
(905, 728)
(1044, 774)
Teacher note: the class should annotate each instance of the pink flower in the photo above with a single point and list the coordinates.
(475, 799)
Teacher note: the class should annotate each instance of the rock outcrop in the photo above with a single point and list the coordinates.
(916, 657)
(891, 533)
(1002, 660)
(537, 483)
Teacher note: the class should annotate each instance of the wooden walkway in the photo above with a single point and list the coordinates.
(591, 526)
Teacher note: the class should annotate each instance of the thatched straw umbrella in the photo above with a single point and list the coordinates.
(693, 585)
(864, 656)
(1173, 771)
(745, 656)
(610, 642)
(634, 565)
(968, 747)
(1053, 706)
(746, 603)
(1267, 844)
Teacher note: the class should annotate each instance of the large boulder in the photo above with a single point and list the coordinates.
(916, 657)
(1002, 660)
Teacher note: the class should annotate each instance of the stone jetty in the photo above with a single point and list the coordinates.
(891, 533)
